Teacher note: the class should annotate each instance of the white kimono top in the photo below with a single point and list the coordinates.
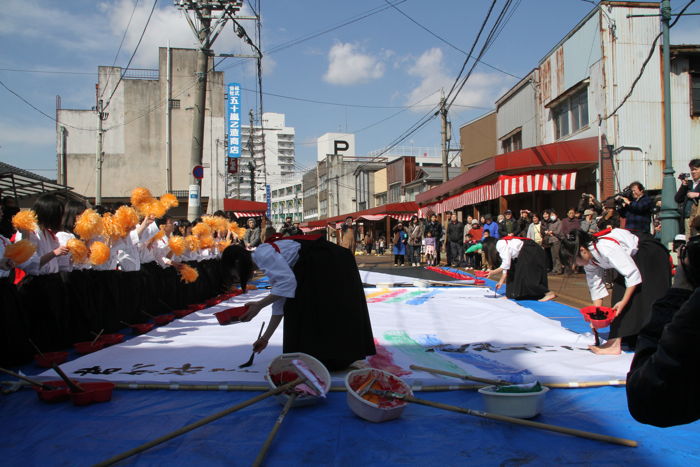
(278, 269)
(508, 249)
(616, 252)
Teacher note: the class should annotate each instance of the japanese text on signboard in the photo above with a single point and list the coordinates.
(234, 120)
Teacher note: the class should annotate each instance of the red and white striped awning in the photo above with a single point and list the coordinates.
(505, 185)
(240, 214)
(402, 217)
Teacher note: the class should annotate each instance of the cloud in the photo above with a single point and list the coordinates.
(347, 66)
(481, 90)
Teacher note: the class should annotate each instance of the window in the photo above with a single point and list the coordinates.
(695, 94)
(513, 142)
(571, 115)
(394, 195)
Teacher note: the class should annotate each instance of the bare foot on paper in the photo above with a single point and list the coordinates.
(547, 297)
(611, 347)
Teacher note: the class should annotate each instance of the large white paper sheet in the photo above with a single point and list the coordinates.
(463, 330)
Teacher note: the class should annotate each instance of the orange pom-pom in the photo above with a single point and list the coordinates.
(127, 218)
(222, 245)
(99, 253)
(192, 242)
(25, 220)
(169, 200)
(152, 208)
(140, 196)
(177, 244)
(88, 225)
(109, 228)
(206, 242)
(210, 221)
(78, 250)
(20, 251)
(202, 230)
(188, 273)
(221, 225)
(156, 237)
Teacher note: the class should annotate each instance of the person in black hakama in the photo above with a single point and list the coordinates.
(317, 288)
(643, 276)
(523, 267)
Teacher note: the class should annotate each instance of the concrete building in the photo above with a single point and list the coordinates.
(476, 139)
(287, 201)
(148, 133)
(569, 127)
(310, 195)
(277, 165)
(335, 143)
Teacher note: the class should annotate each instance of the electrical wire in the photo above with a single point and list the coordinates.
(41, 111)
(471, 50)
(299, 40)
(445, 41)
(119, 49)
(652, 49)
(121, 76)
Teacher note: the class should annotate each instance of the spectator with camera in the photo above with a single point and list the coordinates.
(688, 195)
(588, 201)
(610, 218)
(635, 206)
(663, 379)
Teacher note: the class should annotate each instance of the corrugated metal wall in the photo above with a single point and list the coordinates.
(518, 111)
(686, 129)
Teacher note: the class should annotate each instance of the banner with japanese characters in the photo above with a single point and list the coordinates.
(233, 120)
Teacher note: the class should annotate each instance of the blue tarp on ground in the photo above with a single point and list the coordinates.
(35, 433)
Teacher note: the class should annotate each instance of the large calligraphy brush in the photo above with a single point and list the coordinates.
(252, 355)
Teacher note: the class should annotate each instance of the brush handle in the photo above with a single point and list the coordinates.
(273, 432)
(71, 385)
(529, 423)
(496, 382)
(30, 381)
(197, 424)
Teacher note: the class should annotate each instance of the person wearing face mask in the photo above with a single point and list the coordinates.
(552, 238)
(643, 277)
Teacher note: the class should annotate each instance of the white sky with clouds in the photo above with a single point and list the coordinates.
(383, 60)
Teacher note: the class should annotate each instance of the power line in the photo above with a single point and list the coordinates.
(471, 50)
(442, 39)
(116, 56)
(310, 36)
(652, 49)
(121, 76)
(41, 111)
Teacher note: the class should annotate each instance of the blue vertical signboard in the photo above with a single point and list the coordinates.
(234, 120)
(269, 204)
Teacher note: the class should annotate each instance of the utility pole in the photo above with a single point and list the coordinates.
(669, 213)
(99, 156)
(201, 25)
(251, 167)
(443, 137)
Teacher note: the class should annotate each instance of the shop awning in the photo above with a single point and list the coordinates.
(245, 208)
(544, 180)
(399, 211)
(563, 155)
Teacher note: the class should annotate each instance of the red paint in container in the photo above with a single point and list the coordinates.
(111, 339)
(231, 315)
(142, 328)
(163, 319)
(60, 394)
(93, 392)
(49, 358)
(87, 347)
